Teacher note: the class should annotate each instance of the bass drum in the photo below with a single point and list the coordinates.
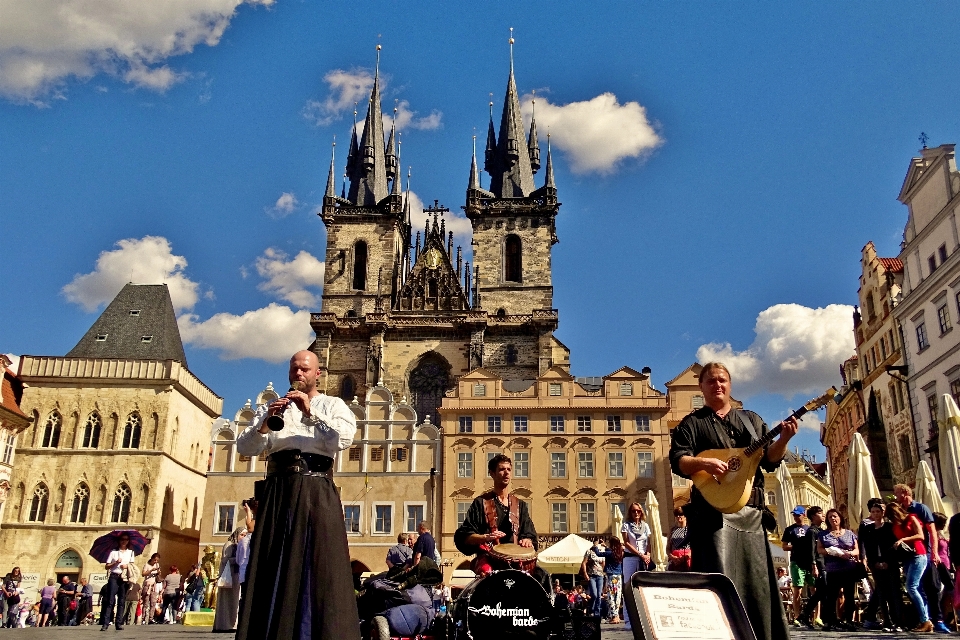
(503, 605)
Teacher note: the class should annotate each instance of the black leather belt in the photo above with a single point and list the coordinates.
(292, 461)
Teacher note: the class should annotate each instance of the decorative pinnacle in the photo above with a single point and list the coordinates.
(511, 49)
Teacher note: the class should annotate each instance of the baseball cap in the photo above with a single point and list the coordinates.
(799, 510)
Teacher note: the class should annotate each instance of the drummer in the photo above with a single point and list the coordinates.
(476, 536)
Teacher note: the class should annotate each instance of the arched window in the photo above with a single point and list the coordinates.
(121, 504)
(51, 430)
(360, 265)
(432, 288)
(131, 431)
(428, 384)
(512, 260)
(183, 514)
(511, 354)
(81, 501)
(348, 389)
(91, 431)
(38, 505)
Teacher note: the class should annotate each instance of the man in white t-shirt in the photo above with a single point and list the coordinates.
(117, 561)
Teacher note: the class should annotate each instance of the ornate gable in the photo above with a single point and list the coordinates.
(433, 283)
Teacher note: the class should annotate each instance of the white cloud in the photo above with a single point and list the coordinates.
(286, 204)
(456, 221)
(271, 333)
(149, 260)
(596, 134)
(353, 87)
(796, 350)
(44, 42)
(811, 420)
(289, 279)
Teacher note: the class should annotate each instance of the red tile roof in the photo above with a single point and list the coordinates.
(892, 264)
(12, 391)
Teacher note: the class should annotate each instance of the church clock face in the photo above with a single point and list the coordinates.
(432, 259)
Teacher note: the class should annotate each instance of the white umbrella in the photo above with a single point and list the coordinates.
(658, 549)
(786, 497)
(861, 485)
(565, 556)
(949, 442)
(926, 491)
(617, 522)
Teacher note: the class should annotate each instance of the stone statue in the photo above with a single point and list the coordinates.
(209, 568)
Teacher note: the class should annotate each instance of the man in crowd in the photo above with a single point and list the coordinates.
(800, 541)
(811, 612)
(65, 595)
(400, 554)
(299, 583)
(931, 575)
(425, 546)
(734, 544)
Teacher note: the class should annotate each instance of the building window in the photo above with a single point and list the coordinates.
(51, 430)
(556, 424)
(922, 342)
(415, 515)
(558, 517)
(490, 456)
(351, 518)
(348, 390)
(121, 504)
(512, 259)
(494, 425)
(135, 313)
(354, 455)
(376, 454)
(465, 465)
(614, 425)
(615, 464)
(360, 265)
(38, 505)
(101, 337)
(613, 511)
(81, 502)
(131, 432)
(91, 431)
(466, 424)
(626, 388)
(8, 446)
(697, 402)
(520, 424)
(679, 481)
(954, 391)
(892, 388)
(383, 519)
(479, 390)
(398, 454)
(943, 253)
(643, 423)
(556, 388)
(932, 408)
(521, 464)
(883, 348)
(772, 498)
(146, 339)
(943, 317)
(511, 354)
(584, 424)
(462, 509)
(585, 464)
(906, 451)
(588, 517)
(645, 464)
(932, 263)
(558, 464)
(226, 516)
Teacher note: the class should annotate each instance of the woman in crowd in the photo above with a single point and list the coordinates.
(635, 534)
(876, 544)
(613, 572)
(171, 588)
(944, 568)
(47, 594)
(11, 595)
(228, 590)
(592, 570)
(151, 573)
(678, 544)
(841, 554)
(913, 556)
(117, 561)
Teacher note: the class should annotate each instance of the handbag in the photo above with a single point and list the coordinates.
(225, 581)
(904, 552)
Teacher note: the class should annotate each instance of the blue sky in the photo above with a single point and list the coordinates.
(720, 165)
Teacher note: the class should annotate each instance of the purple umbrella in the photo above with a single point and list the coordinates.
(103, 545)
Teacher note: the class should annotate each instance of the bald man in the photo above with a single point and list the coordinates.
(299, 583)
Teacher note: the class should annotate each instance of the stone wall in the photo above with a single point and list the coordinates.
(535, 291)
(383, 244)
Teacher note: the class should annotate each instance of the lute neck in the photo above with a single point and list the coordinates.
(773, 433)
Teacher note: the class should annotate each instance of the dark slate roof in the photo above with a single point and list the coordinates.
(139, 324)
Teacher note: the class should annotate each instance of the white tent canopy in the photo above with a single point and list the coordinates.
(564, 557)
(949, 421)
(926, 490)
(861, 484)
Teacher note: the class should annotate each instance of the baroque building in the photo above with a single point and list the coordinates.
(119, 440)
(12, 423)
(836, 433)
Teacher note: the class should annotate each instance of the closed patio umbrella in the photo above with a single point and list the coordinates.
(861, 484)
(949, 441)
(926, 490)
(786, 497)
(617, 522)
(658, 548)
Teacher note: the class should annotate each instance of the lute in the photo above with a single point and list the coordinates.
(729, 492)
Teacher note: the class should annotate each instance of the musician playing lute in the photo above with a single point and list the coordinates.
(734, 544)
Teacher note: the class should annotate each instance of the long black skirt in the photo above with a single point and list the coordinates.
(299, 584)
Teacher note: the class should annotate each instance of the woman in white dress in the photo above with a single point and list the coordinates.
(636, 557)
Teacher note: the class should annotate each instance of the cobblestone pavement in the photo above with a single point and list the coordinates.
(617, 632)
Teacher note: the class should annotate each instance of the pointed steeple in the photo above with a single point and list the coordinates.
(391, 152)
(474, 173)
(533, 143)
(331, 180)
(406, 204)
(549, 183)
(490, 153)
(353, 151)
(368, 183)
(396, 189)
(514, 177)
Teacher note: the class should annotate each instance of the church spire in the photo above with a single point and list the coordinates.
(391, 152)
(474, 173)
(368, 184)
(353, 151)
(550, 184)
(533, 143)
(331, 180)
(513, 178)
(490, 153)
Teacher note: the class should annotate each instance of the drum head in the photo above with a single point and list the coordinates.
(510, 551)
(504, 605)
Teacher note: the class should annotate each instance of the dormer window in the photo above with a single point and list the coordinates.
(134, 313)
(102, 337)
(146, 339)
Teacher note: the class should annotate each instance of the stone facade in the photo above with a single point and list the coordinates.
(578, 449)
(13, 422)
(836, 433)
(930, 301)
